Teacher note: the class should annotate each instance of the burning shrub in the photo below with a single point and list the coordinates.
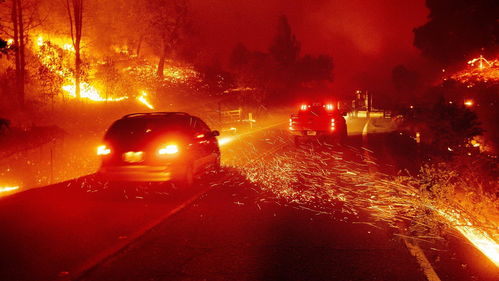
(464, 190)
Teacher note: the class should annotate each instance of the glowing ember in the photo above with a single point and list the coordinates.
(317, 180)
(143, 99)
(468, 103)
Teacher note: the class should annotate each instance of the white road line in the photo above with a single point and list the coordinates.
(87, 266)
(414, 249)
(423, 261)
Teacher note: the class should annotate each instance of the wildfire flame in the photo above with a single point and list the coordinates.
(479, 70)
(479, 237)
(6, 190)
(88, 92)
(143, 99)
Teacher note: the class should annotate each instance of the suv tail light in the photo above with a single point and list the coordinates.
(103, 150)
(168, 150)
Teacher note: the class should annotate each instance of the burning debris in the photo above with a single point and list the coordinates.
(479, 70)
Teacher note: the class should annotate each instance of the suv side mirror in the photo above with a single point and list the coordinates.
(215, 133)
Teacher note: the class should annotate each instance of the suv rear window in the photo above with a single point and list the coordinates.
(314, 111)
(150, 126)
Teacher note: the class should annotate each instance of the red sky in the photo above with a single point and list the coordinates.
(366, 38)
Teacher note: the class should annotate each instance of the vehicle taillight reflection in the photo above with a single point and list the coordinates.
(103, 150)
(168, 150)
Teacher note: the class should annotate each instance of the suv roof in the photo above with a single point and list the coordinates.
(150, 114)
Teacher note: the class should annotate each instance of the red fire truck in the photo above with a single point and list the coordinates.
(319, 121)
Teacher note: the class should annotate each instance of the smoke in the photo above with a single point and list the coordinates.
(366, 38)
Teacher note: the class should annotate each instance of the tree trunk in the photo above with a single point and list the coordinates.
(77, 71)
(78, 15)
(139, 45)
(76, 24)
(161, 64)
(21, 51)
(17, 47)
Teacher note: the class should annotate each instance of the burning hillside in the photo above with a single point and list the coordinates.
(479, 70)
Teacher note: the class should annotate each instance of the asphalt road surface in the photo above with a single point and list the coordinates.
(263, 218)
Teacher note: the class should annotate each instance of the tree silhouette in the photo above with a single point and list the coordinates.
(285, 49)
(459, 29)
(75, 15)
(168, 23)
(3, 46)
(406, 82)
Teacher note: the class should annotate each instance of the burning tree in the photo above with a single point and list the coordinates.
(168, 22)
(18, 29)
(75, 14)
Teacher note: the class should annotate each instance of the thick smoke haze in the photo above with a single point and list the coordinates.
(365, 38)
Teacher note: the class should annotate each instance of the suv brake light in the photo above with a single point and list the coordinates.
(103, 150)
(169, 149)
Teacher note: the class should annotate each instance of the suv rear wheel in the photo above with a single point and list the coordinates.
(186, 179)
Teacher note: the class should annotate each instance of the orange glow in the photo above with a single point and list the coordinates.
(468, 103)
(169, 149)
(103, 150)
(6, 189)
(225, 140)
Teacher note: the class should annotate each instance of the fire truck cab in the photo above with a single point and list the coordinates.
(320, 121)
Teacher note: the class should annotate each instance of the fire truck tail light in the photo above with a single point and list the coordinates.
(329, 107)
(332, 124)
(303, 107)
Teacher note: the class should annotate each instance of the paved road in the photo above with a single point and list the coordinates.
(263, 218)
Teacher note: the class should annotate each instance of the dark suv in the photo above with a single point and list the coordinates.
(158, 146)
